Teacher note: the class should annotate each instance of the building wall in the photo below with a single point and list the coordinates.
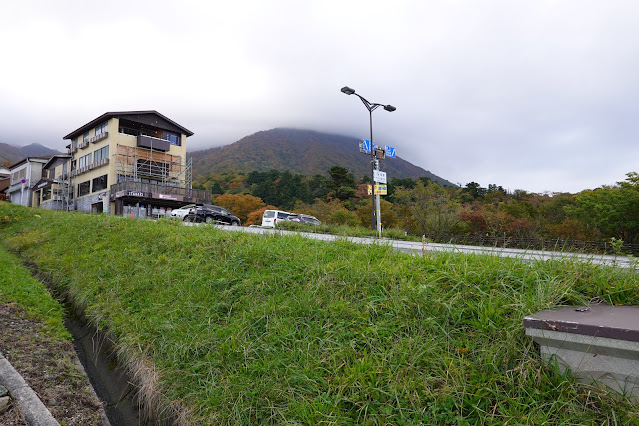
(84, 203)
(57, 191)
(31, 171)
(114, 139)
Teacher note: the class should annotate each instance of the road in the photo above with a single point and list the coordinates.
(418, 247)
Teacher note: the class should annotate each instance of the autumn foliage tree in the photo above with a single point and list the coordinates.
(255, 217)
(241, 205)
(432, 207)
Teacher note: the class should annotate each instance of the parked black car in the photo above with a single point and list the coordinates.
(212, 214)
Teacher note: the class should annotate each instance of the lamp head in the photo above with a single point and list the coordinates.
(389, 108)
(348, 90)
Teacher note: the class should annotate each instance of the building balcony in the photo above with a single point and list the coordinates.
(153, 143)
(90, 167)
(98, 138)
(160, 192)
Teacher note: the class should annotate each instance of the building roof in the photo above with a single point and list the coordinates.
(42, 159)
(56, 160)
(42, 183)
(106, 116)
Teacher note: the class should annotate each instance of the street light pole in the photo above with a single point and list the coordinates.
(370, 106)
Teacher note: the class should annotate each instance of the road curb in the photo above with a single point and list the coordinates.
(30, 405)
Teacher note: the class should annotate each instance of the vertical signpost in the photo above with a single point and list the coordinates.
(371, 150)
(379, 183)
(23, 181)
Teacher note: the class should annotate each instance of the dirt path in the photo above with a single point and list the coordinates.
(51, 369)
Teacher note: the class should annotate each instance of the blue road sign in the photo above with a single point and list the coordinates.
(367, 145)
(390, 152)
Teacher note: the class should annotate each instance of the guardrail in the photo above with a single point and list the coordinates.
(537, 243)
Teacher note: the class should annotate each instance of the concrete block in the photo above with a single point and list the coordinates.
(598, 344)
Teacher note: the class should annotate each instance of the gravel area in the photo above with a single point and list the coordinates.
(50, 367)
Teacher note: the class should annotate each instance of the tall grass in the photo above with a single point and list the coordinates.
(19, 287)
(248, 329)
(350, 231)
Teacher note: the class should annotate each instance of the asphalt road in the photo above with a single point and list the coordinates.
(418, 247)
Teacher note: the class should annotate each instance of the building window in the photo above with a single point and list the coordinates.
(172, 138)
(128, 131)
(74, 144)
(84, 188)
(52, 173)
(46, 194)
(101, 154)
(101, 129)
(74, 165)
(17, 176)
(100, 183)
(85, 137)
(64, 169)
(85, 161)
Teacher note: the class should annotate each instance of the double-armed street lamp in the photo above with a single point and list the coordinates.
(370, 106)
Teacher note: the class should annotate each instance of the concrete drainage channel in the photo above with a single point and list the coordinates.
(109, 380)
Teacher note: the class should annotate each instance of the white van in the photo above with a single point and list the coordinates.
(271, 217)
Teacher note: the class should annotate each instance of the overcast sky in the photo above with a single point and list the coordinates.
(534, 95)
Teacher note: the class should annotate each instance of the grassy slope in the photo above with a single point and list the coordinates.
(18, 286)
(247, 329)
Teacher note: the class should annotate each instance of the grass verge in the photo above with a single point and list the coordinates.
(246, 329)
(349, 231)
(19, 287)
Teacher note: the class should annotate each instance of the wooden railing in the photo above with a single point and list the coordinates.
(199, 195)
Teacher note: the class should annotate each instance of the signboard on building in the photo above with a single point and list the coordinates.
(168, 197)
(138, 194)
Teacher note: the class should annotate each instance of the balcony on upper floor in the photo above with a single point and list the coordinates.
(99, 137)
(152, 143)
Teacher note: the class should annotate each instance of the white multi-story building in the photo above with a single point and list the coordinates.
(24, 175)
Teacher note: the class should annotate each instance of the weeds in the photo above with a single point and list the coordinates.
(18, 286)
(349, 231)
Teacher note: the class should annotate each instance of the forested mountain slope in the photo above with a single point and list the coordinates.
(303, 152)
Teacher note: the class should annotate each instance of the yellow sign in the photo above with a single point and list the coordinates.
(380, 189)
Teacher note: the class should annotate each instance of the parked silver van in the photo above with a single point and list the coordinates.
(271, 217)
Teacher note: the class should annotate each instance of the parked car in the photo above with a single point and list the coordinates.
(182, 211)
(271, 217)
(303, 219)
(307, 219)
(212, 214)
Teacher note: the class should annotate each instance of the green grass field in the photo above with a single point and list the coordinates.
(19, 287)
(245, 329)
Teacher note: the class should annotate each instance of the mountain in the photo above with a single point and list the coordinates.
(305, 152)
(13, 154)
(37, 150)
